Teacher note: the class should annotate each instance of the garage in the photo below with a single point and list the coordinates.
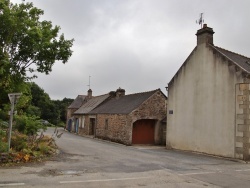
(143, 132)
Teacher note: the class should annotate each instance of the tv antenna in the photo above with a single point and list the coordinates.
(201, 20)
(89, 82)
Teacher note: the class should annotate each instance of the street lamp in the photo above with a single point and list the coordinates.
(13, 100)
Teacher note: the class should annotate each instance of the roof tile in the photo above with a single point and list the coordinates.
(124, 104)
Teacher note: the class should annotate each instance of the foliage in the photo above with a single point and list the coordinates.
(62, 105)
(3, 143)
(28, 125)
(33, 111)
(18, 142)
(28, 148)
(52, 110)
(27, 45)
(26, 40)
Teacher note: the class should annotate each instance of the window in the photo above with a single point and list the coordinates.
(106, 123)
(82, 124)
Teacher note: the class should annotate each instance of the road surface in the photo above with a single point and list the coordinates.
(88, 162)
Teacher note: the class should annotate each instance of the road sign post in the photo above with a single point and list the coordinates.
(13, 100)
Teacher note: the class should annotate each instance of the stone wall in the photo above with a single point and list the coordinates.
(83, 125)
(242, 145)
(118, 127)
(153, 108)
(114, 127)
(69, 114)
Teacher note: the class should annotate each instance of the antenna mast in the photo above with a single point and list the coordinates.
(201, 20)
(89, 82)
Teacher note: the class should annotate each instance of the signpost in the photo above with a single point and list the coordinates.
(13, 100)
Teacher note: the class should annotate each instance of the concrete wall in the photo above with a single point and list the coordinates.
(202, 100)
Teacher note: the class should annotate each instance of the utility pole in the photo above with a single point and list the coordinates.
(13, 100)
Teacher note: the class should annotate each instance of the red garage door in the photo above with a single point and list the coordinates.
(143, 132)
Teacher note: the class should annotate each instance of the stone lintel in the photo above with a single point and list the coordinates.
(242, 97)
(244, 87)
(243, 116)
(239, 150)
(239, 139)
(243, 127)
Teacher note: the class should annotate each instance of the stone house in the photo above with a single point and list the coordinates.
(208, 101)
(132, 119)
(86, 121)
(75, 105)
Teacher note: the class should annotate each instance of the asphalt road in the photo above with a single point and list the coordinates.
(88, 162)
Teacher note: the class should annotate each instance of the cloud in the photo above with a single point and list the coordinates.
(135, 44)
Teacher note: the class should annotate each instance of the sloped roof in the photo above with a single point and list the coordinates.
(91, 104)
(124, 104)
(240, 60)
(77, 103)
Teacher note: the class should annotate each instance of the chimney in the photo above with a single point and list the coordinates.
(120, 92)
(89, 93)
(205, 35)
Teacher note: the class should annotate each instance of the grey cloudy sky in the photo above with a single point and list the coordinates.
(137, 45)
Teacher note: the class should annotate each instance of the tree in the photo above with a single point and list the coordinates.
(62, 106)
(28, 44)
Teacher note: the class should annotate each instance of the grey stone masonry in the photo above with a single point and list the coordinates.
(242, 141)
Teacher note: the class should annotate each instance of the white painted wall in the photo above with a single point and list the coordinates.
(202, 97)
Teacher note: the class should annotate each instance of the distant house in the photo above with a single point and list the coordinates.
(208, 101)
(86, 121)
(75, 105)
(132, 119)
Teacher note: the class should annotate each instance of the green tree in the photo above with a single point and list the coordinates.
(27, 44)
(62, 106)
(41, 100)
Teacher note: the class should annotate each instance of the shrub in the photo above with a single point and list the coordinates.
(3, 147)
(28, 125)
(19, 142)
(44, 148)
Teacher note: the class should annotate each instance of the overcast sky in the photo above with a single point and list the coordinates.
(137, 45)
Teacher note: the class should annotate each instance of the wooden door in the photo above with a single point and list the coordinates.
(143, 132)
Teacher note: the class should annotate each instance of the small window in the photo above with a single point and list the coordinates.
(106, 123)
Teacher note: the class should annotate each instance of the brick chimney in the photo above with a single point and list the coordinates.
(205, 35)
(89, 93)
(120, 92)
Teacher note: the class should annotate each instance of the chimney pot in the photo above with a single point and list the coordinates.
(205, 35)
(120, 92)
(89, 93)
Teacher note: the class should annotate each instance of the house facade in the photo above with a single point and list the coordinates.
(132, 119)
(208, 101)
(72, 122)
(86, 121)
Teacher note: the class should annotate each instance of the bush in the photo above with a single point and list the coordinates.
(18, 142)
(44, 148)
(61, 124)
(3, 147)
(28, 125)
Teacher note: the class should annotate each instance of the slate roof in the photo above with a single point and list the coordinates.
(124, 104)
(91, 104)
(77, 103)
(240, 60)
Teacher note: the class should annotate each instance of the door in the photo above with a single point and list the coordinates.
(69, 125)
(143, 132)
(92, 126)
(76, 125)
